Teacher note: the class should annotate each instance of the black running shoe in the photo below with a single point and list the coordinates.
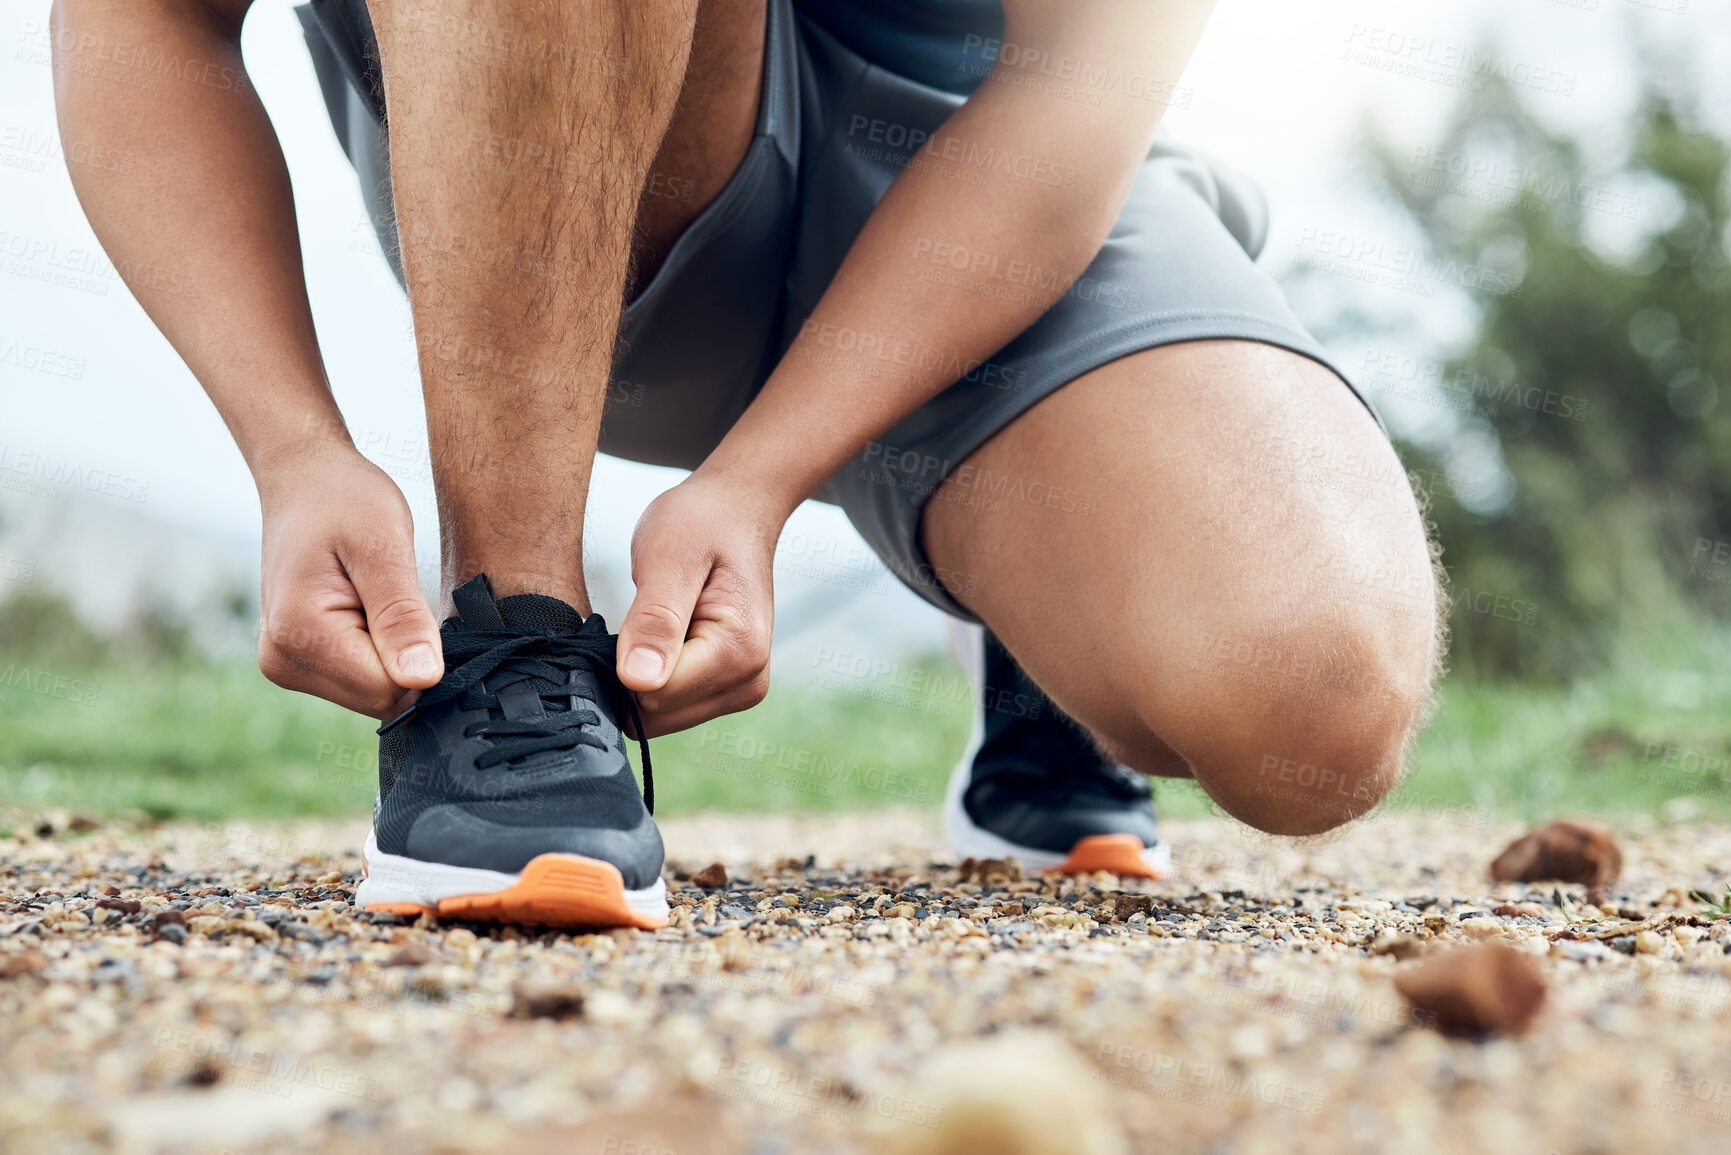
(1034, 787)
(504, 791)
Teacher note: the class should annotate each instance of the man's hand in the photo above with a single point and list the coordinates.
(207, 211)
(696, 641)
(343, 615)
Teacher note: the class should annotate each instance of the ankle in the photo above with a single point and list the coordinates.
(568, 587)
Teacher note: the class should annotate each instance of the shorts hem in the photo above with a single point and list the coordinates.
(1059, 368)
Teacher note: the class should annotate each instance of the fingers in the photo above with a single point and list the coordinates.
(724, 664)
(319, 645)
(349, 624)
(398, 620)
(343, 616)
(654, 629)
(684, 712)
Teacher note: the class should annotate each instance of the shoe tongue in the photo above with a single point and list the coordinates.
(538, 611)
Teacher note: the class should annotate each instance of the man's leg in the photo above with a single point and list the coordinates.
(522, 135)
(711, 130)
(1241, 588)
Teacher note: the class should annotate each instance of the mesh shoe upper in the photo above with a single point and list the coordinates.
(1038, 780)
(517, 751)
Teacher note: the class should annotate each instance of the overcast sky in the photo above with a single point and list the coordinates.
(1278, 88)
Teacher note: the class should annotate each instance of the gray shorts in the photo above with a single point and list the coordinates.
(833, 131)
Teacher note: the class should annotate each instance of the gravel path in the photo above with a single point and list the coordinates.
(855, 997)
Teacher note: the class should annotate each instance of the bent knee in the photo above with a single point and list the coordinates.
(1307, 784)
(1308, 733)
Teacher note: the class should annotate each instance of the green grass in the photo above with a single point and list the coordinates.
(187, 739)
(1651, 735)
(184, 740)
(202, 741)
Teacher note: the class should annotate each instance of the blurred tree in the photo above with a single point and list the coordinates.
(1617, 511)
(40, 626)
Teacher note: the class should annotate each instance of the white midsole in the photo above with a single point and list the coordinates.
(394, 878)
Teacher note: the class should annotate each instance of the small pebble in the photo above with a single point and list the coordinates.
(547, 999)
(1483, 990)
(28, 962)
(711, 877)
(412, 954)
(1567, 851)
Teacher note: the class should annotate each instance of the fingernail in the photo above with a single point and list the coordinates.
(643, 663)
(418, 661)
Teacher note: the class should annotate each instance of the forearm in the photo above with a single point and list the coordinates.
(201, 221)
(948, 271)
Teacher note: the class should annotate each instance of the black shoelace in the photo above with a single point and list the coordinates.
(502, 658)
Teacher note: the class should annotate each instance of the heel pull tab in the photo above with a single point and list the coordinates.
(475, 604)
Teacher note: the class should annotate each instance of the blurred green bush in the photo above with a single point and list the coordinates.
(1599, 378)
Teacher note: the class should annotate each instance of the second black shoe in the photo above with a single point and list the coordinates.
(1033, 786)
(504, 791)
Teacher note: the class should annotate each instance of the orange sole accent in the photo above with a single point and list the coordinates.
(1120, 854)
(406, 909)
(556, 890)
